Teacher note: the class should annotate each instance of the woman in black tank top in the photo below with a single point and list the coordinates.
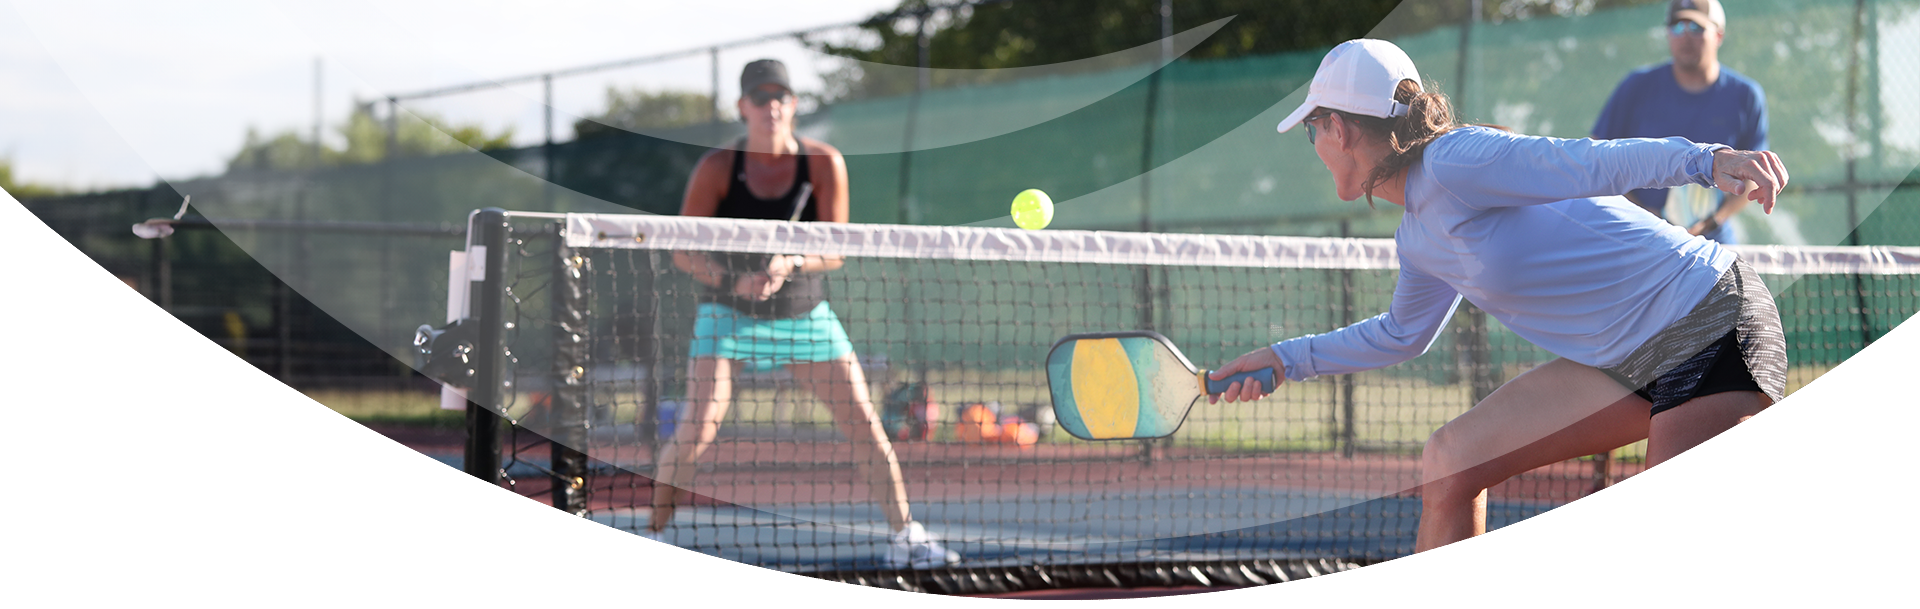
(745, 299)
(801, 292)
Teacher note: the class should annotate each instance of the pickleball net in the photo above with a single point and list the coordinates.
(951, 327)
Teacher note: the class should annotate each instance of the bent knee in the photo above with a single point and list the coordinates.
(695, 435)
(1447, 456)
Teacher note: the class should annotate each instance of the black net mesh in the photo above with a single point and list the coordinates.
(952, 354)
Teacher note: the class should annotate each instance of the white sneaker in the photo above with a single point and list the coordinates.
(914, 548)
(651, 534)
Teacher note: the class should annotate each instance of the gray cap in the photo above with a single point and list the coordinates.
(762, 72)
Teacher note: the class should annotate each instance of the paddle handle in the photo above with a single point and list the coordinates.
(1266, 377)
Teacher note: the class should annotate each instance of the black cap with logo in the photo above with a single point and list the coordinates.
(762, 72)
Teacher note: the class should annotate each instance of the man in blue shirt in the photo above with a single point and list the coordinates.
(1693, 97)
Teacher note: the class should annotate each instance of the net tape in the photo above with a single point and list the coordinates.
(1103, 247)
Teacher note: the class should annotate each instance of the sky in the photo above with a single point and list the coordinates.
(104, 93)
(107, 93)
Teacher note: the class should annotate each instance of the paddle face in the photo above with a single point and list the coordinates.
(1120, 385)
(1688, 204)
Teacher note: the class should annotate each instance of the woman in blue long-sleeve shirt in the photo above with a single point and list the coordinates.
(1661, 335)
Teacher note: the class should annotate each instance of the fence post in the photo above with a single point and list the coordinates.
(713, 63)
(546, 147)
(909, 214)
(162, 276)
(1852, 156)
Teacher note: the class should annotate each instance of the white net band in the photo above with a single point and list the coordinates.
(1099, 247)
(968, 243)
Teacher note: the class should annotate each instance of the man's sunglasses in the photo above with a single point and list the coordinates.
(761, 97)
(1686, 28)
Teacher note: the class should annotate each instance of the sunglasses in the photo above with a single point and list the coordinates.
(1686, 28)
(762, 97)
(1313, 133)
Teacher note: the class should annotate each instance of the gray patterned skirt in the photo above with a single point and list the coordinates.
(1676, 361)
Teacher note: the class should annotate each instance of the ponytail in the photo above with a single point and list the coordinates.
(1429, 116)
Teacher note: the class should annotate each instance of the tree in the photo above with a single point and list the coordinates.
(635, 109)
(1028, 33)
(286, 150)
(1015, 34)
(23, 190)
(1530, 9)
(418, 134)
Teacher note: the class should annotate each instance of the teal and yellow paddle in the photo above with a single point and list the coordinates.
(1128, 385)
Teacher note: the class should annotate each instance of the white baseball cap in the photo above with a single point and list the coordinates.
(1705, 12)
(1359, 76)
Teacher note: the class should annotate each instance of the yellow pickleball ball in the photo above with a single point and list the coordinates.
(1032, 210)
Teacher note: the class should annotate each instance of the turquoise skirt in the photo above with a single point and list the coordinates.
(761, 344)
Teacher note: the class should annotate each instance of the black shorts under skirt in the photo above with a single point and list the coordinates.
(1731, 341)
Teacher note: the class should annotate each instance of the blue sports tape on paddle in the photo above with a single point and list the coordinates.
(1264, 375)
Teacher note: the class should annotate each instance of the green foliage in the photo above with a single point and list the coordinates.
(1529, 9)
(1016, 34)
(286, 150)
(22, 190)
(389, 407)
(638, 109)
(418, 134)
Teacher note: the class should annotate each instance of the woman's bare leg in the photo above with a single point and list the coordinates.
(1557, 411)
(1685, 426)
(710, 389)
(843, 388)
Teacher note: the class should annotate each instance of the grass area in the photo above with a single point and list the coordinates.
(389, 407)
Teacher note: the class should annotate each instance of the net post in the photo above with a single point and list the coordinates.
(488, 230)
(569, 376)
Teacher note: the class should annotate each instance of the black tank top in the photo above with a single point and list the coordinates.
(803, 291)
